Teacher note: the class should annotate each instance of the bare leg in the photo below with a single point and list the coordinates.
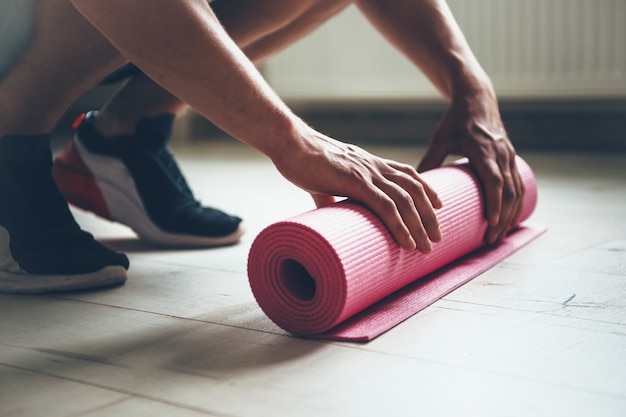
(183, 47)
(66, 56)
(41, 246)
(260, 28)
(137, 99)
(76, 57)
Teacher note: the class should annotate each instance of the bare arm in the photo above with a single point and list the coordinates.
(182, 46)
(427, 34)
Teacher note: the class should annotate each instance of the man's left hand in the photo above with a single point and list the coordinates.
(472, 127)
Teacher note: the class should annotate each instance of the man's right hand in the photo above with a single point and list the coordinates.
(394, 191)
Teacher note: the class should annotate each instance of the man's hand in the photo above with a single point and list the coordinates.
(473, 128)
(395, 192)
(427, 34)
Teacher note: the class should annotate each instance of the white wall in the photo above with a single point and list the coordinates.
(531, 49)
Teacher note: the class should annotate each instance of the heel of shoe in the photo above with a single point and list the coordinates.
(79, 188)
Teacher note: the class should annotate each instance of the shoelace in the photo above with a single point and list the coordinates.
(187, 200)
(173, 171)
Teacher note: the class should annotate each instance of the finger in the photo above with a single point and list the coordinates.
(517, 205)
(415, 209)
(418, 190)
(430, 191)
(489, 174)
(521, 192)
(386, 209)
(496, 233)
(512, 197)
(322, 200)
(433, 157)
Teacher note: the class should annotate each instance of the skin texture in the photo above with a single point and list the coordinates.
(200, 54)
(427, 34)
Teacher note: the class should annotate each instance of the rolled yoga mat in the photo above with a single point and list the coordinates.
(337, 273)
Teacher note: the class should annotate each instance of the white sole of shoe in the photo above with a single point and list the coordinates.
(21, 283)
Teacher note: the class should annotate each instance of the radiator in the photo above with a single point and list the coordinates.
(530, 48)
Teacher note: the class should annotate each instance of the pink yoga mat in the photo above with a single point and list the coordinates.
(336, 273)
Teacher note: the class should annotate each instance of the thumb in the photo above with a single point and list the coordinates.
(433, 157)
(322, 200)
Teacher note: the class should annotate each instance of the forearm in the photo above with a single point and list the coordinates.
(182, 46)
(426, 32)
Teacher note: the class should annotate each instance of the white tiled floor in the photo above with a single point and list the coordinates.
(542, 334)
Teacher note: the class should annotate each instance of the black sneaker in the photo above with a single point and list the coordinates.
(134, 180)
(42, 248)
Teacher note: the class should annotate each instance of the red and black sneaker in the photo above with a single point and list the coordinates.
(134, 180)
(42, 248)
